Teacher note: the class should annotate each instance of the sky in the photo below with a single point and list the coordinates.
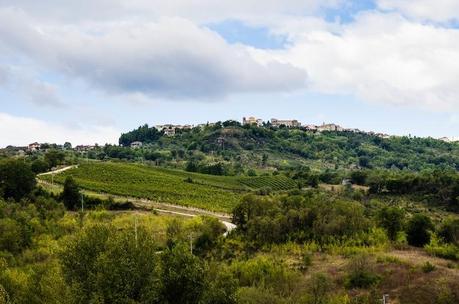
(85, 71)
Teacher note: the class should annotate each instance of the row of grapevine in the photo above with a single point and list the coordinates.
(276, 183)
(218, 193)
(162, 185)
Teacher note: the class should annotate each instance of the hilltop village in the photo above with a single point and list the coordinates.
(170, 130)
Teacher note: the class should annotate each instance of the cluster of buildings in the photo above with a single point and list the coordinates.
(293, 123)
(290, 123)
(34, 147)
(170, 130)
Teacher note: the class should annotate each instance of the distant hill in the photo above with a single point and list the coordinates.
(268, 148)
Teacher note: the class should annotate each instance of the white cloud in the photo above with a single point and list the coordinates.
(172, 57)
(197, 10)
(29, 86)
(438, 10)
(380, 58)
(21, 131)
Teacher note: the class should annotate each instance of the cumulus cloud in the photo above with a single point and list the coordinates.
(389, 58)
(439, 10)
(381, 58)
(27, 130)
(172, 58)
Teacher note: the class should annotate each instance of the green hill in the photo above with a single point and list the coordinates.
(218, 193)
(241, 148)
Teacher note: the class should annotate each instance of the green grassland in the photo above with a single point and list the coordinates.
(217, 193)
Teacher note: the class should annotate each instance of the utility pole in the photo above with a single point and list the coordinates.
(135, 230)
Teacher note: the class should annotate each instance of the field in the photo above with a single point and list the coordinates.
(216, 193)
(275, 183)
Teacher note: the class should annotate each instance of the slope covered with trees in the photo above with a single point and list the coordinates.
(243, 147)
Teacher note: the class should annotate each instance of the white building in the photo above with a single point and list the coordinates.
(136, 144)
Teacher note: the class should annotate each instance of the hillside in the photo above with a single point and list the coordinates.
(240, 148)
(218, 193)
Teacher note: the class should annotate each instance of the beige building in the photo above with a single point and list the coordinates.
(289, 123)
(34, 147)
(252, 121)
(329, 127)
(169, 131)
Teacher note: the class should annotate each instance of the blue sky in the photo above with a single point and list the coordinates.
(69, 74)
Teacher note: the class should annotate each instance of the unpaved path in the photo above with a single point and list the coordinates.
(147, 204)
(57, 171)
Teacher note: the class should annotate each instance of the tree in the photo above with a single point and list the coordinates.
(71, 194)
(391, 219)
(264, 159)
(364, 162)
(183, 276)
(16, 179)
(211, 231)
(418, 230)
(11, 236)
(54, 157)
(358, 177)
(78, 259)
(67, 145)
(39, 166)
(449, 231)
(127, 271)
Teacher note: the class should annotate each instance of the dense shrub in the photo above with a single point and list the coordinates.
(418, 230)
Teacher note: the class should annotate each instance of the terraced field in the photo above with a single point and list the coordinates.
(216, 193)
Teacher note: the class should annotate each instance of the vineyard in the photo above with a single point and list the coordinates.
(275, 183)
(217, 193)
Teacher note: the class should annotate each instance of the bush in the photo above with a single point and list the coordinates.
(446, 251)
(449, 231)
(319, 287)
(418, 230)
(391, 219)
(306, 260)
(361, 274)
(428, 267)
(251, 172)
